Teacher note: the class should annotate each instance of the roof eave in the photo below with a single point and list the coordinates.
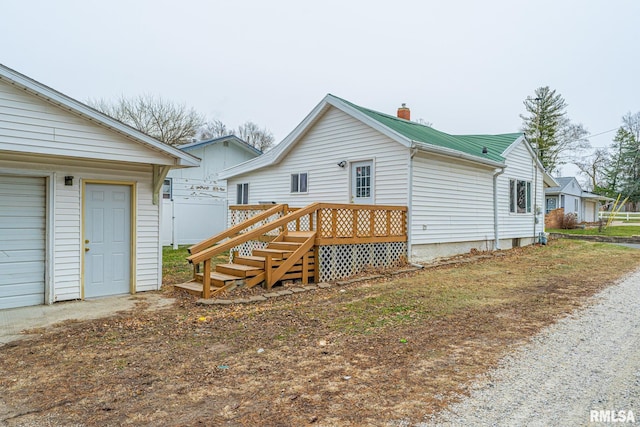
(359, 115)
(280, 150)
(40, 90)
(429, 148)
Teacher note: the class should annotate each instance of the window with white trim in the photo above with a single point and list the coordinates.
(167, 189)
(242, 194)
(299, 183)
(519, 196)
(575, 205)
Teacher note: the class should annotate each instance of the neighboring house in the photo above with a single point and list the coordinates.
(79, 211)
(569, 195)
(195, 199)
(462, 192)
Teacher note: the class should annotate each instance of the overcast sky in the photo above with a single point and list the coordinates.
(465, 66)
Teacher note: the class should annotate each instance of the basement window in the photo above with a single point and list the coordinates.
(299, 183)
(519, 196)
(242, 194)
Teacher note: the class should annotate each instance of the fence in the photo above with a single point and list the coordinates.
(620, 216)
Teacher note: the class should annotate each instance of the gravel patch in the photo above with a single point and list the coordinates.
(589, 361)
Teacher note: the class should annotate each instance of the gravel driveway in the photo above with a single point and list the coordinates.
(586, 362)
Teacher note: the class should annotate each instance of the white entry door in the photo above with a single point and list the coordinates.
(107, 244)
(362, 182)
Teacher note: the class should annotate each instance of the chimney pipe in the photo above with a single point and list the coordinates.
(404, 112)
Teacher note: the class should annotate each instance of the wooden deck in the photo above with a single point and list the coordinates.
(293, 237)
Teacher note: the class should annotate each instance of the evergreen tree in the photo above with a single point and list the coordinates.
(624, 171)
(547, 126)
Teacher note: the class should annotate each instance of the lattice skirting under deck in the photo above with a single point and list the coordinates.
(340, 261)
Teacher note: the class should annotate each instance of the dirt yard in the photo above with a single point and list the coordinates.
(368, 353)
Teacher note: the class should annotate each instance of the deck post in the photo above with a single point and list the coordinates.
(316, 263)
(305, 268)
(268, 270)
(206, 279)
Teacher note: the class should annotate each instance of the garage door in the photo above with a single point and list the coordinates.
(22, 241)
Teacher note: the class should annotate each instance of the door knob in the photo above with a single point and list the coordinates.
(86, 249)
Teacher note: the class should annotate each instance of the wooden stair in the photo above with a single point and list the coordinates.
(249, 271)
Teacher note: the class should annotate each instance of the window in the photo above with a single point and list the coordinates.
(519, 196)
(167, 189)
(242, 194)
(562, 201)
(363, 181)
(575, 205)
(299, 183)
(551, 204)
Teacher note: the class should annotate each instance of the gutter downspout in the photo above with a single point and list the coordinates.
(496, 231)
(535, 199)
(412, 152)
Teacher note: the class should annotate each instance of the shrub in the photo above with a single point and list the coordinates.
(569, 221)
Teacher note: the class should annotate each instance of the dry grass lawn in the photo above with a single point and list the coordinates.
(363, 354)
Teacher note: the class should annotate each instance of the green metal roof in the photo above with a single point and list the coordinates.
(468, 144)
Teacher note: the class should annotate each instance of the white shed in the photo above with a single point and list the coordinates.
(463, 192)
(79, 216)
(194, 204)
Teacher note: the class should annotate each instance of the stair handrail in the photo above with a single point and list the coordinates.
(274, 276)
(210, 252)
(211, 241)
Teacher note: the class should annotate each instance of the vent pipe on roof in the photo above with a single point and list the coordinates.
(404, 112)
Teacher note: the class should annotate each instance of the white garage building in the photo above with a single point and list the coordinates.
(79, 209)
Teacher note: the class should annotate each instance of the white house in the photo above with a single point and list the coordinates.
(462, 191)
(570, 196)
(79, 212)
(195, 199)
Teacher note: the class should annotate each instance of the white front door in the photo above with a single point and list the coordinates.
(107, 244)
(362, 182)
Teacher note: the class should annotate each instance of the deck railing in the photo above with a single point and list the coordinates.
(334, 224)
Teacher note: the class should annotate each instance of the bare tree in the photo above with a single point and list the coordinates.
(212, 129)
(594, 168)
(262, 139)
(171, 123)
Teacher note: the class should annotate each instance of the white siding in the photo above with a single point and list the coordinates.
(67, 245)
(215, 157)
(30, 125)
(335, 137)
(198, 209)
(520, 165)
(452, 201)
